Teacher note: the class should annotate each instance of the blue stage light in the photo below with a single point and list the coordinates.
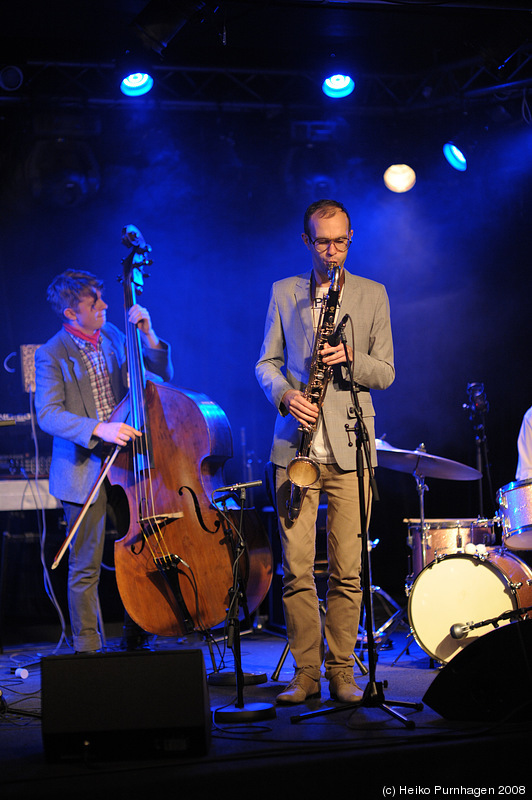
(136, 84)
(338, 86)
(455, 156)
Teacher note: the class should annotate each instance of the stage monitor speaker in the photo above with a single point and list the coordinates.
(489, 680)
(125, 705)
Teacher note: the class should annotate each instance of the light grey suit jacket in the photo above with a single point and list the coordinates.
(66, 409)
(286, 355)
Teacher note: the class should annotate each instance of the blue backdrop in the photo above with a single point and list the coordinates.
(220, 198)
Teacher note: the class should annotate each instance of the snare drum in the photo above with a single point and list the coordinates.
(515, 511)
(444, 537)
(465, 589)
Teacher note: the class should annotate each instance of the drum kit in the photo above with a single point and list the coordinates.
(462, 585)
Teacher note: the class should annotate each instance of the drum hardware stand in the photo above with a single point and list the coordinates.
(432, 663)
(373, 696)
(408, 588)
(478, 407)
(241, 711)
(421, 488)
(381, 635)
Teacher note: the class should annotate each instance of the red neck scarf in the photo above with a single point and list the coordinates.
(92, 337)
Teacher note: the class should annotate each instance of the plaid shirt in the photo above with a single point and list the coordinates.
(96, 367)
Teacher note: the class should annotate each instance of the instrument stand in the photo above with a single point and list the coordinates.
(373, 696)
(219, 678)
(432, 662)
(478, 407)
(382, 634)
(241, 711)
(422, 487)
(397, 615)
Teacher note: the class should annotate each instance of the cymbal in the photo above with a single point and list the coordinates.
(422, 464)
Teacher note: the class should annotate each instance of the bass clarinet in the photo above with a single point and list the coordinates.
(302, 470)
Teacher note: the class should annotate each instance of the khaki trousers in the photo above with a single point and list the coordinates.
(344, 594)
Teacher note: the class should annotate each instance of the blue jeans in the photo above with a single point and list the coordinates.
(84, 567)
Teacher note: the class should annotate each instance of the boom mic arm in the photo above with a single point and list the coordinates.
(460, 629)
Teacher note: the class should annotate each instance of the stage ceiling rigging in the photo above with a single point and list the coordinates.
(406, 57)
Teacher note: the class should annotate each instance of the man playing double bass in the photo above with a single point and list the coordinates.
(81, 375)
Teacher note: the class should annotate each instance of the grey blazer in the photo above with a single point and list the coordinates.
(66, 409)
(286, 354)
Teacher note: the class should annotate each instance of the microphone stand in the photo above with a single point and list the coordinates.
(515, 613)
(373, 696)
(478, 407)
(241, 711)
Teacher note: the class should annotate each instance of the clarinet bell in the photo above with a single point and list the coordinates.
(303, 471)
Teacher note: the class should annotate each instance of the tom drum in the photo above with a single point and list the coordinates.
(466, 589)
(444, 537)
(515, 512)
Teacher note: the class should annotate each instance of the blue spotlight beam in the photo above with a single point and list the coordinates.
(338, 86)
(455, 156)
(136, 84)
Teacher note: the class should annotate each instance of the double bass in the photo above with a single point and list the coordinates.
(175, 560)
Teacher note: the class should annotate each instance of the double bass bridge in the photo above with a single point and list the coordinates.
(155, 521)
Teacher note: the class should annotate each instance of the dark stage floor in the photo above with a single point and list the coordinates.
(364, 753)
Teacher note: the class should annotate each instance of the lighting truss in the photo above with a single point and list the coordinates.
(90, 84)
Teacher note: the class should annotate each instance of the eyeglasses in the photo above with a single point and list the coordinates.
(322, 245)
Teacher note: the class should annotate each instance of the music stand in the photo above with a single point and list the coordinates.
(373, 696)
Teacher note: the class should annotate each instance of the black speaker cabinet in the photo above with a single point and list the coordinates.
(125, 705)
(489, 680)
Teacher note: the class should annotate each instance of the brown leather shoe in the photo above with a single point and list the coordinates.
(299, 689)
(342, 687)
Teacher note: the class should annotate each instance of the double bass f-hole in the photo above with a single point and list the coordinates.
(197, 509)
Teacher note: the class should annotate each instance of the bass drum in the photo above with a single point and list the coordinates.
(465, 589)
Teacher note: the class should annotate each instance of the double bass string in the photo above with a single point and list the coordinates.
(144, 500)
(148, 519)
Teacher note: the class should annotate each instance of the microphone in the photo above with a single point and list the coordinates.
(237, 486)
(459, 630)
(335, 338)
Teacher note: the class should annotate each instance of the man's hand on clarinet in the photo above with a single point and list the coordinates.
(299, 407)
(335, 355)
